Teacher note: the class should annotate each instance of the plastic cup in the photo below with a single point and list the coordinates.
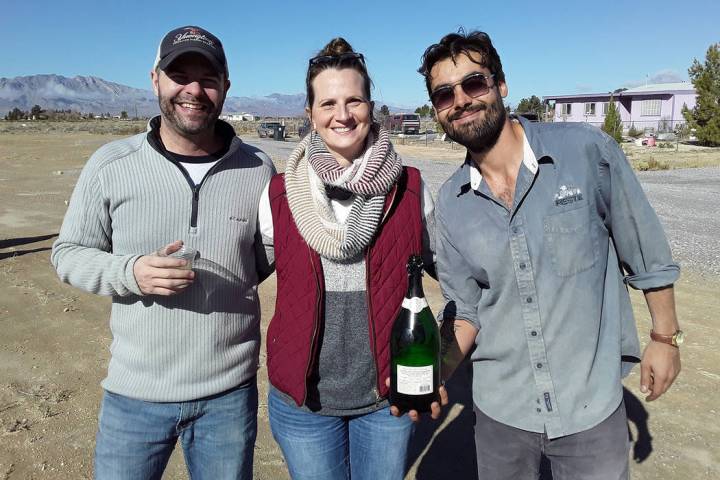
(185, 253)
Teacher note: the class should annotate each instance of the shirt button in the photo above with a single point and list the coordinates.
(515, 230)
(538, 410)
(522, 266)
(533, 333)
(539, 365)
(528, 299)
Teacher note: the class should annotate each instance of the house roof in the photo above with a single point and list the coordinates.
(652, 89)
(661, 88)
(578, 95)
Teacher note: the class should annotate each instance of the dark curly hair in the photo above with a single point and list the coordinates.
(336, 47)
(454, 44)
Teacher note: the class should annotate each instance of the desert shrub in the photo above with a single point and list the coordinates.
(664, 126)
(654, 164)
(634, 132)
(651, 163)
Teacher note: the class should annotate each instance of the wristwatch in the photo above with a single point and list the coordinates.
(676, 339)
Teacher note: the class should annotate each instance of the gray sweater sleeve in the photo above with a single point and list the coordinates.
(82, 254)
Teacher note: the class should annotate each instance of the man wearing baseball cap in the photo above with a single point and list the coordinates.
(185, 330)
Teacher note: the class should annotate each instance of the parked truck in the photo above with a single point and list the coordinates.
(405, 123)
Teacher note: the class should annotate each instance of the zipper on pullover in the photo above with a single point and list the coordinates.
(195, 205)
(195, 188)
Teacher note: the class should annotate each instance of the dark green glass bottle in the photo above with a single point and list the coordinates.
(414, 348)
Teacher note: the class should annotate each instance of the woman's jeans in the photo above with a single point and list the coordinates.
(364, 447)
(135, 438)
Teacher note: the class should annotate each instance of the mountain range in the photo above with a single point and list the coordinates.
(93, 94)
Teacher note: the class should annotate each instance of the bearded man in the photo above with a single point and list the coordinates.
(186, 334)
(537, 232)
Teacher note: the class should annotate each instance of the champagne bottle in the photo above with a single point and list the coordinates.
(414, 348)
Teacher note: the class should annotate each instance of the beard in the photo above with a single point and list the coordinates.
(184, 125)
(480, 135)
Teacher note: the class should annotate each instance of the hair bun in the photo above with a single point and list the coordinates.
(336, 46)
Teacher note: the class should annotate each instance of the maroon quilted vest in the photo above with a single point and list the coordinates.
(292, 337)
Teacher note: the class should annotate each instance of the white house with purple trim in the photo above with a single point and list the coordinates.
(656, 107)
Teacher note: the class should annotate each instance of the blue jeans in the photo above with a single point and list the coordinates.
(363, 447)
(135, 438)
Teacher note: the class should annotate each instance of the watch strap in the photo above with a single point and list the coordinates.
(668, 339)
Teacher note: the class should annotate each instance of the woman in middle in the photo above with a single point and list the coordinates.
(344, 219)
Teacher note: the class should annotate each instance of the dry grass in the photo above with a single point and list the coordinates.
(671, 156)
(98, 127)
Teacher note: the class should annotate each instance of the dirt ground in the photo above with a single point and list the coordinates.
(54, 343)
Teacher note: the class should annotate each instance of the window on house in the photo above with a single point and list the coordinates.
(565, 108)
(650, 108)
(605, 107)
(590, 108)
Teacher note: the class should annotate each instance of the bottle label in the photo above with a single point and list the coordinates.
(415, 304)
(414, 380)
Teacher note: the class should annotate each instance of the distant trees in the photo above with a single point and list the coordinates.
(36, 112)
(531, 105)
(382, 114)
(62, 115)
(16, 114)
(613, 123)
(705, 116)
(424, 111)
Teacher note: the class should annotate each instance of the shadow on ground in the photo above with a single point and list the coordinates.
(14, 242)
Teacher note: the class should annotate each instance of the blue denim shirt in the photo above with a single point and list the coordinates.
(543, 281)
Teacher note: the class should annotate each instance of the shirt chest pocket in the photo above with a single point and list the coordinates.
(571, 241)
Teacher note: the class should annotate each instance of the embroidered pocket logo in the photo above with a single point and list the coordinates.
(567, 195)
(238, 219)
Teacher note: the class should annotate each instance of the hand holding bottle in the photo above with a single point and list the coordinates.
(414, 415)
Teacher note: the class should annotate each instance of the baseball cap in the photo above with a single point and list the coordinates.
(191, 39)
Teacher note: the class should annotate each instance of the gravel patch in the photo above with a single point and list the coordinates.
(687, 203)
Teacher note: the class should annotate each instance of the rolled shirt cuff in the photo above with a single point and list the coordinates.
(452, 311)
(660, 277)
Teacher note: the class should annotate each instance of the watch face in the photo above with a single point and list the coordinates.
(679, 337)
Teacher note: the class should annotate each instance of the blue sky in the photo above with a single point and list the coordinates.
(547, 48)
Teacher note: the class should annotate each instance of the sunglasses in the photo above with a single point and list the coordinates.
(323, 59)
(474, 85)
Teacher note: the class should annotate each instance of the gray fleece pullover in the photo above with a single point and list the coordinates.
(131, 200)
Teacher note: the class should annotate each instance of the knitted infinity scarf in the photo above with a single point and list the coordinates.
(371, 176)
